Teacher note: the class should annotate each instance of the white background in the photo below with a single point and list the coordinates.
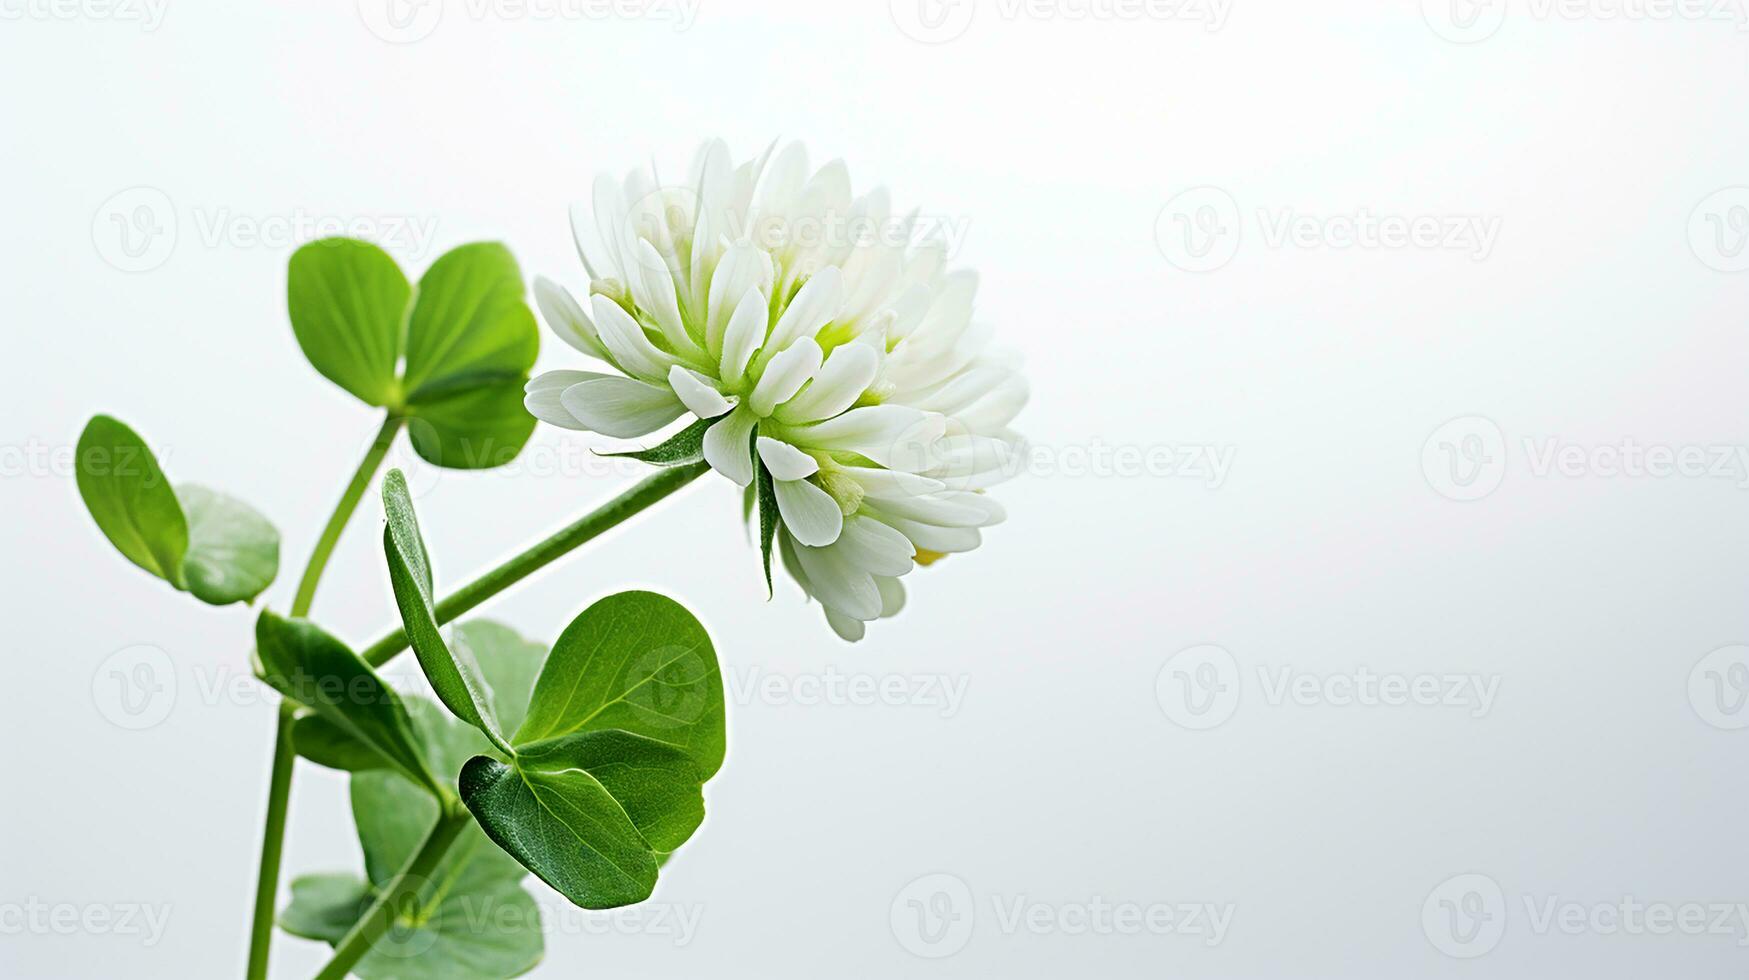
(1602, 313)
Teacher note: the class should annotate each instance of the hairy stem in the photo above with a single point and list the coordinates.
(398, 893)
(648, 491)
(279, 780)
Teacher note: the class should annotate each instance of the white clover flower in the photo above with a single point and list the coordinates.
(811, 337)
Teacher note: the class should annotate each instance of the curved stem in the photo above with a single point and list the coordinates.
(648, 491)
(414, 875)
(279, 779)
(367, 469)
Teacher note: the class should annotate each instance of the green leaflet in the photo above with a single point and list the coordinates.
(348, 304)
(679, 449)
(200, 541)
(636, 661)
(327, 744)
(306, 664)
(565, 827)
(451, 668)
(465, 340)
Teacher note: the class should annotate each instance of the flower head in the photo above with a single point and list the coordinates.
(824, 354)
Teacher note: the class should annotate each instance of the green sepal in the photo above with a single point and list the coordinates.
(680, 449)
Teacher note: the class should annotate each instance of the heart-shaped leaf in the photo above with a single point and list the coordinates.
(657, 785)
(464, 341)
(200, 541)
(306, 664)
(451, 668)
(471, 919)
(348, 304)
(565, 827)
(636, 661)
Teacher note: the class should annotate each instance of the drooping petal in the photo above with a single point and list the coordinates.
(621, 407)
(565, 318)
(840, 584)
(726, 445)
(785, 461)
(808, 512)
(997, 408)
(892, 595)
(697, 394)
(875, 546)
(625, 340)
(880, 483)
(785, 375)
(843, 379)
(948, 540)
(849, 630)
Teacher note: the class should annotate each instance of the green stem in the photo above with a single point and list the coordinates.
(367, 469)
(648, 491)
(279, 781)
(405, 888)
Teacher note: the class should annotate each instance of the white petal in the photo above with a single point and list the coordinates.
(744, 334)
(541, 397)
(892, 435)
(808, 512)
(566, 318)
(892, 596)
(847, 374)
(785, 461)
(961, 390)
(621, 407)
(947, 540)
(946, 509)
(653, 288)
(839, 584)
(875, 546)
(785, 375)
(742, 268)
(726, 445)
(697, 394)
(814, 306)
(996, 409)
(849, 630)
(879, 483)
(625, 340)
